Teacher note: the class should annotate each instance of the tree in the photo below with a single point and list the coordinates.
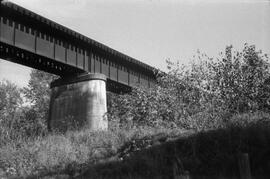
(10, 98)
(239, 79)
(38, 94)
(201, 95)
(10, 107)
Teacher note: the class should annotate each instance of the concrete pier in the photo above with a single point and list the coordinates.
(78, 103)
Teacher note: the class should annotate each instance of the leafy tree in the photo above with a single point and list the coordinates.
(201, 95)
(240, 79)
(141, 107)
(10, 106)
(38, 94)
(10, 98)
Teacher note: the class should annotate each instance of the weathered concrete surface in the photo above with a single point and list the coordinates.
(78, 103)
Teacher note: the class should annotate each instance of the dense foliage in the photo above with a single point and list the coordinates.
(10, 105)
(38, 94)
(23, 112)
(200, 96)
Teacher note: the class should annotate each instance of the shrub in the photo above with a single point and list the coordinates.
(200, 96)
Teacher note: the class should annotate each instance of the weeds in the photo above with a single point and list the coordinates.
(56, 153)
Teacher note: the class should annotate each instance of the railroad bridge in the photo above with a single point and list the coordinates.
(87, 68)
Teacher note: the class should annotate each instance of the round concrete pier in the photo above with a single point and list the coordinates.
(79, 102)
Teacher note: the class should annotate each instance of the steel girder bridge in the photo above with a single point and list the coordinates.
(86, 67)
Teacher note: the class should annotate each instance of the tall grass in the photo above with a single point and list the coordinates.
(73, 152)
(206, 154)
(64, 153)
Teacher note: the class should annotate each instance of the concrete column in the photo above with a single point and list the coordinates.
(78, 102)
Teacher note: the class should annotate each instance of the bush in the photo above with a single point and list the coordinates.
(141, 108)
(10, 105)
(200, 96)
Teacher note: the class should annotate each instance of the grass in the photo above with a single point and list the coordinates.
(208, 154)
(126, 153)
(66, 153)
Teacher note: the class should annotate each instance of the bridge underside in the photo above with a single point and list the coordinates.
(64, 71)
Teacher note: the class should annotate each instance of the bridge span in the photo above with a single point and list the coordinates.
(87, 68)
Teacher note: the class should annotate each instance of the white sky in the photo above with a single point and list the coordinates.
(152, 31)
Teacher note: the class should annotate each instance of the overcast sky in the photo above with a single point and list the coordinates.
(154, 30)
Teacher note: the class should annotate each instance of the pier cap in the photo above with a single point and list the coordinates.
(78, 78)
